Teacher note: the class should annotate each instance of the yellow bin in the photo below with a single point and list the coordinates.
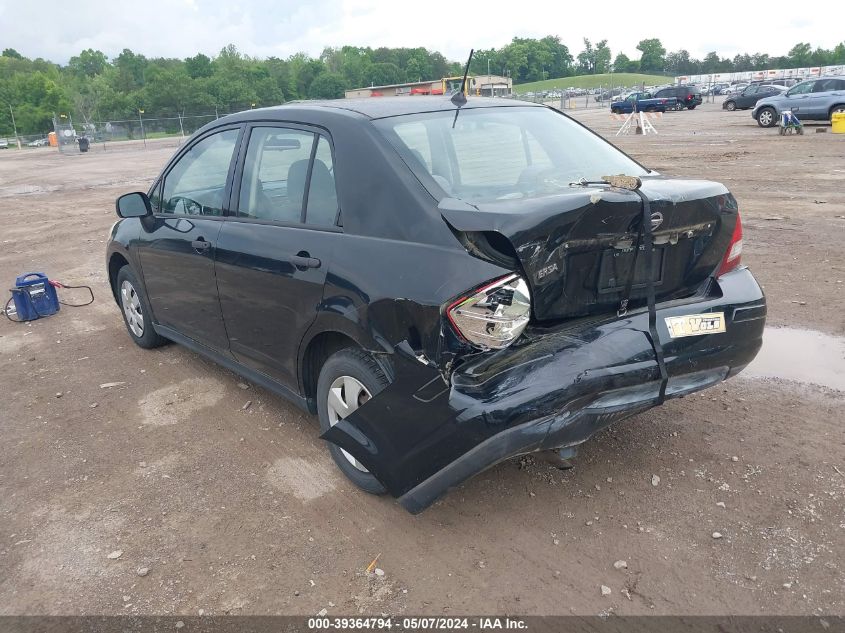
(837, 122)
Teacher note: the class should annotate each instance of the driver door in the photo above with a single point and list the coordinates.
(177, 246)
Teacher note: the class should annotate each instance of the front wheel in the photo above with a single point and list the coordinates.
(348, 379)
(730, 106)
(839, 109)
(767, 117)
(136, 310)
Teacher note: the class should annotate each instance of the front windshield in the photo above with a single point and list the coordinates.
(505, 153)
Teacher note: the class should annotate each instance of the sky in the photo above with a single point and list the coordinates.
(59, 29)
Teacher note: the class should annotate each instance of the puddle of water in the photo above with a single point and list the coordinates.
(801, 355)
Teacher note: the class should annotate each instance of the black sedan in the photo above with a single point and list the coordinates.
(445, 284)
(749, 97)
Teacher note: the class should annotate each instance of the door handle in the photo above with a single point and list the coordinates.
(200, 245)
(305, 261)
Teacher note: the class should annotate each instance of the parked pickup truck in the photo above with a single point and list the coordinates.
(644, 102)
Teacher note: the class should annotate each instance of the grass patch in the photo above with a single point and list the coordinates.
(594, 81)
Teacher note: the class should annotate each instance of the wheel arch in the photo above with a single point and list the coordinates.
(325, 337)
(833, 108)
(117, 261)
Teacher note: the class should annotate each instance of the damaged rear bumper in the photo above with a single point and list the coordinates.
(554, 389)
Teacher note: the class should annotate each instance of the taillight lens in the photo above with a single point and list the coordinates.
(733, 255)
(494, 316)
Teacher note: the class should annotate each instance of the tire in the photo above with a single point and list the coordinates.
(341, 371)
(615, 111)
(692, 107)
(730, 106)
(136, 310)
(767, 117)
(650, 109)
(834, 110)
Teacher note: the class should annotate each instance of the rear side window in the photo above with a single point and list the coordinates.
(279, 172)
(275, 169)
(322, 206)
(195, 185)
(828, 85)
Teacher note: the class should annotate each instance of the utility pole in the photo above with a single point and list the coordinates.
(141, 121)
(17, 140)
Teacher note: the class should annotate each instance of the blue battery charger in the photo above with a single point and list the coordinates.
(34, 297)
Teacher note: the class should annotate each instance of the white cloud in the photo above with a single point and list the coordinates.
(57, 29)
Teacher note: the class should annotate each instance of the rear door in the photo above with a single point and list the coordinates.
(177, 247)
(276, 245)
(819, 100)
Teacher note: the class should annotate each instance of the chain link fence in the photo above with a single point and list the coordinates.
(72, 137)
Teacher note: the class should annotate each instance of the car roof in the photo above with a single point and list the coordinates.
(380, 107)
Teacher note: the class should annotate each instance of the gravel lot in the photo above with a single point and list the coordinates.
(234, 510)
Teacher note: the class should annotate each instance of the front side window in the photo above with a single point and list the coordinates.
(505, 153)
(801, 89)
(196, 184)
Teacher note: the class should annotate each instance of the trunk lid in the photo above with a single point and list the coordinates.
(576, 249)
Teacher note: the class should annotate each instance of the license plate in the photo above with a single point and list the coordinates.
(696, 324)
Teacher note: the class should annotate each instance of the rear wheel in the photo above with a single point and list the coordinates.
(348, 380)
(615, 110)
(692, 107)
(730, 106)
(767, 117)
(837, 109)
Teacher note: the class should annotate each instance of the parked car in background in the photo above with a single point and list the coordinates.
(643, 102)
(734, 89)
(687, 96)
(39, 142)
(750, 96)
(811, 100)
(444, 287)
(607, 94)
(4, 143)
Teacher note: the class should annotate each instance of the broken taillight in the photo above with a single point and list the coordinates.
(493, 316)
(733, 255)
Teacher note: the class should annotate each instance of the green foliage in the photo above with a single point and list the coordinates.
(93, 89)
(327, 85)
(524, 59)
(653, 55)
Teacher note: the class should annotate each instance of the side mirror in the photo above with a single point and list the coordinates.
(133, 205)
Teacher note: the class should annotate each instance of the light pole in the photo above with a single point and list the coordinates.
(141, 121)
(14, 126)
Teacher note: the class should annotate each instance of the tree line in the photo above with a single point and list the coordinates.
(91, 87)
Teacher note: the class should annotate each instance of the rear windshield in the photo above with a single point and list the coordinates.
(503, 153)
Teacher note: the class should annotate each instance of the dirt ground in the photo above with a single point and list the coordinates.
(234, 510)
